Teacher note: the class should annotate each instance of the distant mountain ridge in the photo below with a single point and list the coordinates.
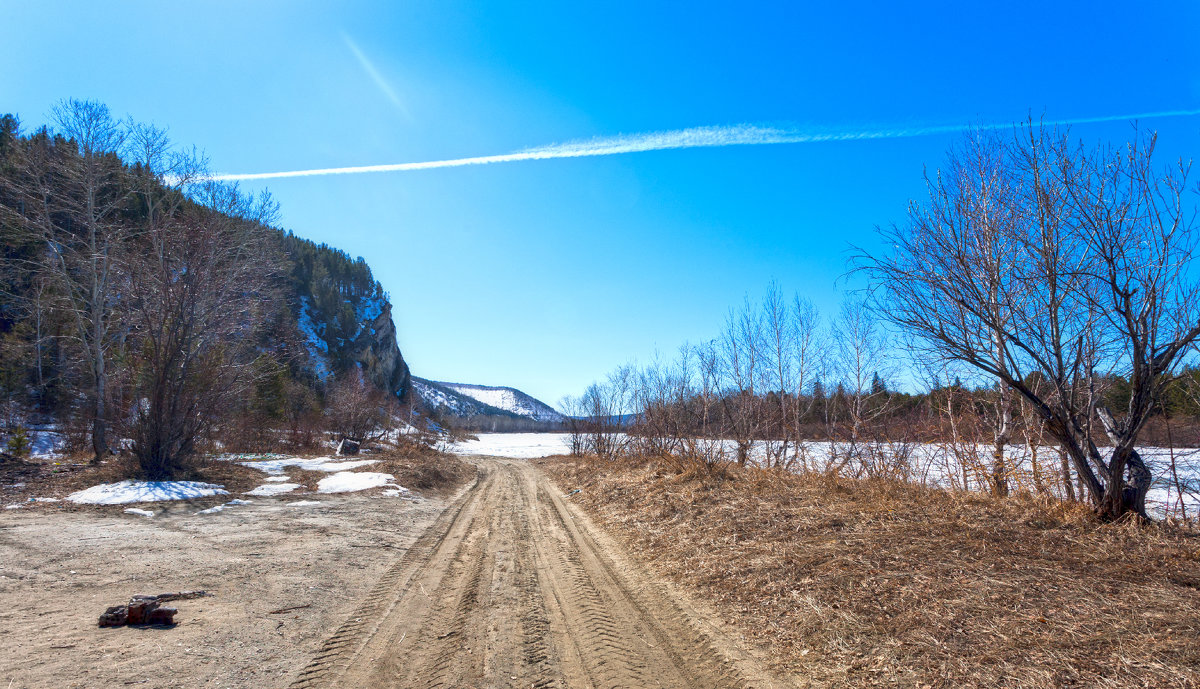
(509, 399)
(445, 401)
(464, 400)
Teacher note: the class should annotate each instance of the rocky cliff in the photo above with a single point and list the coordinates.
(345, 318)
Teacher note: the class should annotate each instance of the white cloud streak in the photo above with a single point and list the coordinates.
(369, 68)
(696, 137)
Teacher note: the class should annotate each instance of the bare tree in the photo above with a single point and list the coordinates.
(862, 352)
(70, 199)
(778, 375)
(572, 409)
(199, 290)
(706, 413)
(357, 410)
(1097, 280)
(605, 405)
(808, 344)
(741, 349)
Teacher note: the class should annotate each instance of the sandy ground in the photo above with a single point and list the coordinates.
(504, 584)
(60, 568)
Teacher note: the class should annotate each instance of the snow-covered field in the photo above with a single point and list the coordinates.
(515, 445)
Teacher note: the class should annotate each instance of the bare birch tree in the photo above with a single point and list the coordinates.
(1098, 279)
(778, 375)
(808, 342)
(741, 349)
(862, 354)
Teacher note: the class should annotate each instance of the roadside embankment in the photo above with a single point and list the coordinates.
(862, 583)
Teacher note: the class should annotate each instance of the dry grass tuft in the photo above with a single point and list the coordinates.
(423, 470)
(876, 583)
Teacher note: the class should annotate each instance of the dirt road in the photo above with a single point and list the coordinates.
(512, 587)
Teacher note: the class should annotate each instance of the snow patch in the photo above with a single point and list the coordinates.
(352, 481)
(270, 489)
(221, 508)
(46, 443)
(304, 503)
(145, 491)
(327, 464)
(134, 510)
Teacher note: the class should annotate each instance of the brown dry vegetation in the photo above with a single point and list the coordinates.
(885, 584)
(59, 478)
(424, 470)
(417, 468)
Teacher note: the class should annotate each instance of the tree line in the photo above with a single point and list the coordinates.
(1056, 278)
(146, 307)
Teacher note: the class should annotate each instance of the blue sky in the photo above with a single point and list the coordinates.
(545, 274)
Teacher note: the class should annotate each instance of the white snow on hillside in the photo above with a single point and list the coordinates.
(46, 441)
(508, 399)
(439, 399)
(368, 310)
(318, 349)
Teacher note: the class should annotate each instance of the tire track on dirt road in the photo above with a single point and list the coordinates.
(513, 587)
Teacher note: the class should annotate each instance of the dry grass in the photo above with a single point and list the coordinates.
(20, 481)
(424, 470)
(853, 583)
(419, 469)
(57, 478)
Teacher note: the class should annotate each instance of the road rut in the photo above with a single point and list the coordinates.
(513, 587)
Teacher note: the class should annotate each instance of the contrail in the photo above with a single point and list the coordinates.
(696, 137)
(369, 68)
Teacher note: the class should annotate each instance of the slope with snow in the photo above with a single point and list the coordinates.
(508, 399)
(440, 398)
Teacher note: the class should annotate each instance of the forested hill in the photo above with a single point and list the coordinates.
(136, 304)
(343, 316)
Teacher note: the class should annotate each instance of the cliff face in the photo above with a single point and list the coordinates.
(376, 350)
(345, 318)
